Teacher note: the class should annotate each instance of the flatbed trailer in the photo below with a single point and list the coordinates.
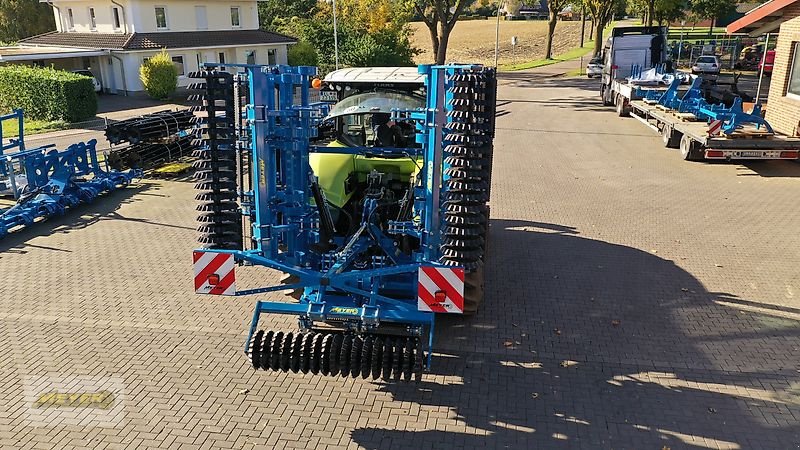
(691, 136)
(623, 92)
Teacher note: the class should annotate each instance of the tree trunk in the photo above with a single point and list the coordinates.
(598, 39)
(434, 39)
(711, 27)
(441, 52)
(651, 10)
(591, 28)
(583, 24)
(551, 29)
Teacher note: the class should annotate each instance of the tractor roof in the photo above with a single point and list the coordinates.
(376, 75)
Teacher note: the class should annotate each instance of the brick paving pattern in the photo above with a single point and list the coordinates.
(634, 300)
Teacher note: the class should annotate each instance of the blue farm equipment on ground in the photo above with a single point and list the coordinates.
(46, 181)
(402, 236)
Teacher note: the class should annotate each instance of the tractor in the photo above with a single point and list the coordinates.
(373, 202)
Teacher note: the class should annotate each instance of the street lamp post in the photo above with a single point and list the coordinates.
(335, 36)
(497, 34)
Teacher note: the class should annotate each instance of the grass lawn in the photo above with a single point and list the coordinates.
(571, 54)
(576, 52)
(11, 128)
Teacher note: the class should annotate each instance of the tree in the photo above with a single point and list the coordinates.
(712, 10)
(602, 11)
(159, 75)
(667, 11)
(302, 54)
(440, 16)
(24, 18)
(273, 13)
(370, 33)
(554, 7)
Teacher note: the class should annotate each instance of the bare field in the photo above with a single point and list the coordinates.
(473, 40)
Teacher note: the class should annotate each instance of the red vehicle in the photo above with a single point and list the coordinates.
(769, 57)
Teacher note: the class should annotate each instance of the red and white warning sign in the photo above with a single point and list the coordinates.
(214, 273)
(715, 127)
(440, 290)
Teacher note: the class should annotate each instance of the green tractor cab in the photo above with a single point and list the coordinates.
(360, 117)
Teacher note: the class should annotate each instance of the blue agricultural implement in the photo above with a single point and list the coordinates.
(46, 181)
(401, 238)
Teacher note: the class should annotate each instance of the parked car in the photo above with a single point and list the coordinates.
(706, 64)
(767, 60)
(595, 67)
(88, 73)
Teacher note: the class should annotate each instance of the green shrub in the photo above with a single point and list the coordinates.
(47, 93)
(302, 54)
(159, 76)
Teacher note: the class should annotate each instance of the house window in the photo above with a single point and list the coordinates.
(161, 17)
(235, 17)
(794, 74)
(70, 19)
(222, 57)
(115, 18)
(201, 17)
(178, 61)
(251, 56)
(272, 57)
(92, 19)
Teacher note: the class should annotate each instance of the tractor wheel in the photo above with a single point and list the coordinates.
(473, 291)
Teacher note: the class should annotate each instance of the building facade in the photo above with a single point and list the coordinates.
(783, 16)
(113, 38)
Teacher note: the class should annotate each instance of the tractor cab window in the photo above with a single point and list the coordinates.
(365, 119)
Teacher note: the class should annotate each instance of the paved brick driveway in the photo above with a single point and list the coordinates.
(634, 301)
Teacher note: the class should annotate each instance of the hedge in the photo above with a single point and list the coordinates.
(47, 93)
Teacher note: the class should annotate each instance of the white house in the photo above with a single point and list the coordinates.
(113, 37)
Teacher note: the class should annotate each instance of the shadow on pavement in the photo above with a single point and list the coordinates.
(588, 344)
(76, 218)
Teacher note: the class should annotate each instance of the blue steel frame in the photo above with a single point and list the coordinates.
(283, 215)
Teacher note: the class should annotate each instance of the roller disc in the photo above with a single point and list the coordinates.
(333, 356)
(297, 353)
(266, 350)
(387, 358)
(286, 351)
(275, 357)
(408, 360)
(306, 354)
(366, 356)
(255, 349)
(397, 359)
(325, 354)
(355, 356)
(316, 353)
(376, 364)
(419, 361)
(344, 355)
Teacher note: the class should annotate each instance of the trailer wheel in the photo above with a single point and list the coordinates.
(690, 149)
(670, 137)
(622, 106)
